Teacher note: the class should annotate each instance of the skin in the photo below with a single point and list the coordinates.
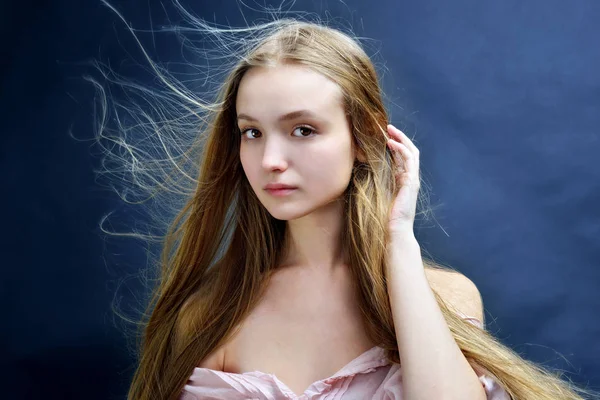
(318, 158)
(308, 325)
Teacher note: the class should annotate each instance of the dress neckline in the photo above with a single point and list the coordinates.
(363, 363)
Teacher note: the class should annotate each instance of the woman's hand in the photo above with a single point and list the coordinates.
(404, 209)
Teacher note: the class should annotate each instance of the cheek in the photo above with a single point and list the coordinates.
(332, 167)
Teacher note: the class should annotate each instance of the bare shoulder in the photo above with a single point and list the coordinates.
(457, 290)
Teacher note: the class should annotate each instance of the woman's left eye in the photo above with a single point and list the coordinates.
(306, 128)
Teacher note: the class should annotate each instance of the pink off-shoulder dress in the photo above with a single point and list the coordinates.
(369, 376)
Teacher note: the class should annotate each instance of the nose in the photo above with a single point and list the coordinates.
(274, 156)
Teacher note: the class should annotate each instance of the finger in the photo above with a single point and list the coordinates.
(403, 155)
(403, 139)
(401, 136)
(409, 162)
(406, 140)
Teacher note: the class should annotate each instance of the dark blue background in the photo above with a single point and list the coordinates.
(503, 99)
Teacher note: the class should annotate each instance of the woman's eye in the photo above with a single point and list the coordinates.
(304, 131)
(248, 130)
(305, 128)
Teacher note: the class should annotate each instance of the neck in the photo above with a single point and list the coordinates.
(315, 240)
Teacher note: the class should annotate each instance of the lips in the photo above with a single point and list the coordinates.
(281, 192)
(278, 186)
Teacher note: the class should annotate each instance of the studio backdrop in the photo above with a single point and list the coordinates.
(501, 97)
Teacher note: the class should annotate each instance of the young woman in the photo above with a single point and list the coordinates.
(292, 271)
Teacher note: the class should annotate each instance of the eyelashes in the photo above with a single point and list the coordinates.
(305, 127)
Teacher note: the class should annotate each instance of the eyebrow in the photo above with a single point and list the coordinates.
(286, 117)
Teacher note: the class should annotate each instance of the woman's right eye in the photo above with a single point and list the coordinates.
(243, 132)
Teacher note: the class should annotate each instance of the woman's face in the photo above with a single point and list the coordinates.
(311, 149)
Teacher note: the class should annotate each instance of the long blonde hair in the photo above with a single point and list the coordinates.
(222, 246)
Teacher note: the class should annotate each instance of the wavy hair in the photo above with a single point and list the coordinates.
(220, 245)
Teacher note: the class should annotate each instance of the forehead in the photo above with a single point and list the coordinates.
(266, 92)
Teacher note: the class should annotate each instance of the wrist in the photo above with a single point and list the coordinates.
(402, 237)
(403, 243)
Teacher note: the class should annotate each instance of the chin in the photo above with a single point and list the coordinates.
(287, 212)
(286, 216)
